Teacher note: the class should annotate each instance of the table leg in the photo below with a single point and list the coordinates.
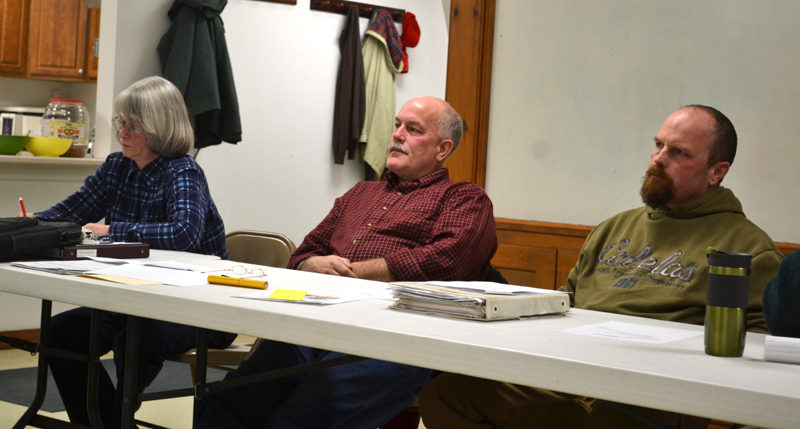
(41, 374)
(200, 368)
(93, 373)
(129, 394)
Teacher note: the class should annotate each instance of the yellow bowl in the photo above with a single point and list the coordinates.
(10, 145)
(48, 146)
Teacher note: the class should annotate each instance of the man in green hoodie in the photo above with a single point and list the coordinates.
(647, 262)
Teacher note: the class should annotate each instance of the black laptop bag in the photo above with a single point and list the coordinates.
(21, 236)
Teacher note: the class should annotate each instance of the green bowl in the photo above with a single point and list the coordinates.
(48, 146)
(10, 145)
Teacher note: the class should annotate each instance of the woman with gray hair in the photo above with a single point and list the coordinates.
(151, 192)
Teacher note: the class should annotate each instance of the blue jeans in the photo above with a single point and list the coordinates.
(159, 341)
(363, 394)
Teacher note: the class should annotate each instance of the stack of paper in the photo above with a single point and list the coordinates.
(782, 349)
(478, 300)
(68, 267)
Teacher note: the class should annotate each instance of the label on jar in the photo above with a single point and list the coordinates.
(75, 131)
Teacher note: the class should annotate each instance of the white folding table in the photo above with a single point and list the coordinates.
(676, 376)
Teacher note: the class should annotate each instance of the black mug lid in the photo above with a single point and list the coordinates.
(721, 258)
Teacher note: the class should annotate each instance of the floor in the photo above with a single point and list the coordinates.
(171, 413)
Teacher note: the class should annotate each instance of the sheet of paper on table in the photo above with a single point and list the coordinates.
(633, 332)
(782, 349)
(167, 276)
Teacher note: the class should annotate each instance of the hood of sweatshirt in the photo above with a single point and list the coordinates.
(719, 200)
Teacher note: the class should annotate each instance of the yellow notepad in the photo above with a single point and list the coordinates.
(288, 295)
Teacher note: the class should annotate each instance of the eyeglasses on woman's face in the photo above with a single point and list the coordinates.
(120, 124)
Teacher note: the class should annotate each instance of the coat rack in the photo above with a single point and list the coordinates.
(364, 9)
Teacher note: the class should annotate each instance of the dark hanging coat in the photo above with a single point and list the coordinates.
(194, 56)
(350, 101)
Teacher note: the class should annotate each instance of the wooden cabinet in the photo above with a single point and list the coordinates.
(13, 36)
(93, 50)
(48, 39)
(57, 39)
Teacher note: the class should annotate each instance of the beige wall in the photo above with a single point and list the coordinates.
(580, 88)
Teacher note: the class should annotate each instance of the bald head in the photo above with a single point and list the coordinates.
(427, 130)
(449, 125)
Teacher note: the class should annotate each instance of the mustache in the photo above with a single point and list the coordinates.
(657, 171)
(396, 146)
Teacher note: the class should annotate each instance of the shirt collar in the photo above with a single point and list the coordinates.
(393, 182)
(151, 171)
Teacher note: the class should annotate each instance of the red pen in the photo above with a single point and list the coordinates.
(22, 207)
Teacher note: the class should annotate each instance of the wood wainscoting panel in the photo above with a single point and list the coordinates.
(526, 266)
(537, 254)
(787, 248)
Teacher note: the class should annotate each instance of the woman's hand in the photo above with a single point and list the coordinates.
(97, 229)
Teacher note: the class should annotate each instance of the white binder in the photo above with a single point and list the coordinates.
(478, 300)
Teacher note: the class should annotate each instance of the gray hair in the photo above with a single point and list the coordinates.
(450, 125)
(156, 105)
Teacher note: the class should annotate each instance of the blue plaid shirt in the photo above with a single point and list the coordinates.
(167, 204)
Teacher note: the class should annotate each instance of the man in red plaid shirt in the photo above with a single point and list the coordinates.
(416, 225)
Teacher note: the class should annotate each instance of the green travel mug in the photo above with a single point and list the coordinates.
(726, 302)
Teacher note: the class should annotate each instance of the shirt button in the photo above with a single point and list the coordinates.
(354, 241)
(399, 193)
(369, 224)
(384, 207)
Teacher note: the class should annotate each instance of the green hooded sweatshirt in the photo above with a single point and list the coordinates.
(652, 262)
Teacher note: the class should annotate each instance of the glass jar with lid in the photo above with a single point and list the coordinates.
(67, 119)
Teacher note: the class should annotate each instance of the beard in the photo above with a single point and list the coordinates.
(657, 188)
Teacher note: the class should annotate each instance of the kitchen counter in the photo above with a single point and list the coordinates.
(49, 160)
